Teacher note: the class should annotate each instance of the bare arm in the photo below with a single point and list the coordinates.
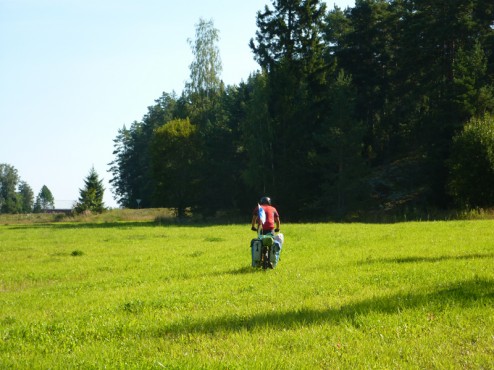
(254, 221)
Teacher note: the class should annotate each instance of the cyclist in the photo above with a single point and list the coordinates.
(266, 217)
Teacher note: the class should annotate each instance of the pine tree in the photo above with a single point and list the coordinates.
(131, 169)
(91, 196)
(289, 47)
(340, 159)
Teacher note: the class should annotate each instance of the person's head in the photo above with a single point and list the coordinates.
(265, 201)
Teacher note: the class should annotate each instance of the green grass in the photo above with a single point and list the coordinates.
(344, 296)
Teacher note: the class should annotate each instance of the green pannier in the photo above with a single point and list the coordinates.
(267, 240)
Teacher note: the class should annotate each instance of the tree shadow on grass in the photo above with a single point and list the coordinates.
(427, 259)
(464, 294)
(113, 224)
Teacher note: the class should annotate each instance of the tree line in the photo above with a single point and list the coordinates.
(17, 196)
(383, 106)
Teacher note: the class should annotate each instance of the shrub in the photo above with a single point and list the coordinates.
(472, 164)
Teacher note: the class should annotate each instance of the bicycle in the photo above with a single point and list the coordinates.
(266, 250)
(267, 244)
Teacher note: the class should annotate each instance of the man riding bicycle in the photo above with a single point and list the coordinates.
(266, 217)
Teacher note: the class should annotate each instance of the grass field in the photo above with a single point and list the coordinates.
(416, 295)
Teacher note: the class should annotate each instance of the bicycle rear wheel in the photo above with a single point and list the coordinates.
(265, 258)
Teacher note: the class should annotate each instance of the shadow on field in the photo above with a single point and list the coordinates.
(427, 259)
(111, 224)
(244, 271)
(464, 294)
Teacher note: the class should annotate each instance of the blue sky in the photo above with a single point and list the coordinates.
(72, 72)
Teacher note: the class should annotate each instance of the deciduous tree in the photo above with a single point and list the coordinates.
(472, 164)
(9, 179)
(205, 69)
(44, 200)
(27, 197)
(174, 161)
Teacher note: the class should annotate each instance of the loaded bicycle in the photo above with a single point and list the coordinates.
(266, 250)
(266, 247)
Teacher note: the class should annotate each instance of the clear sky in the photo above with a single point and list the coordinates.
(72, 72)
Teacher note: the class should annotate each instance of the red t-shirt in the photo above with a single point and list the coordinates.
(271, 216)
